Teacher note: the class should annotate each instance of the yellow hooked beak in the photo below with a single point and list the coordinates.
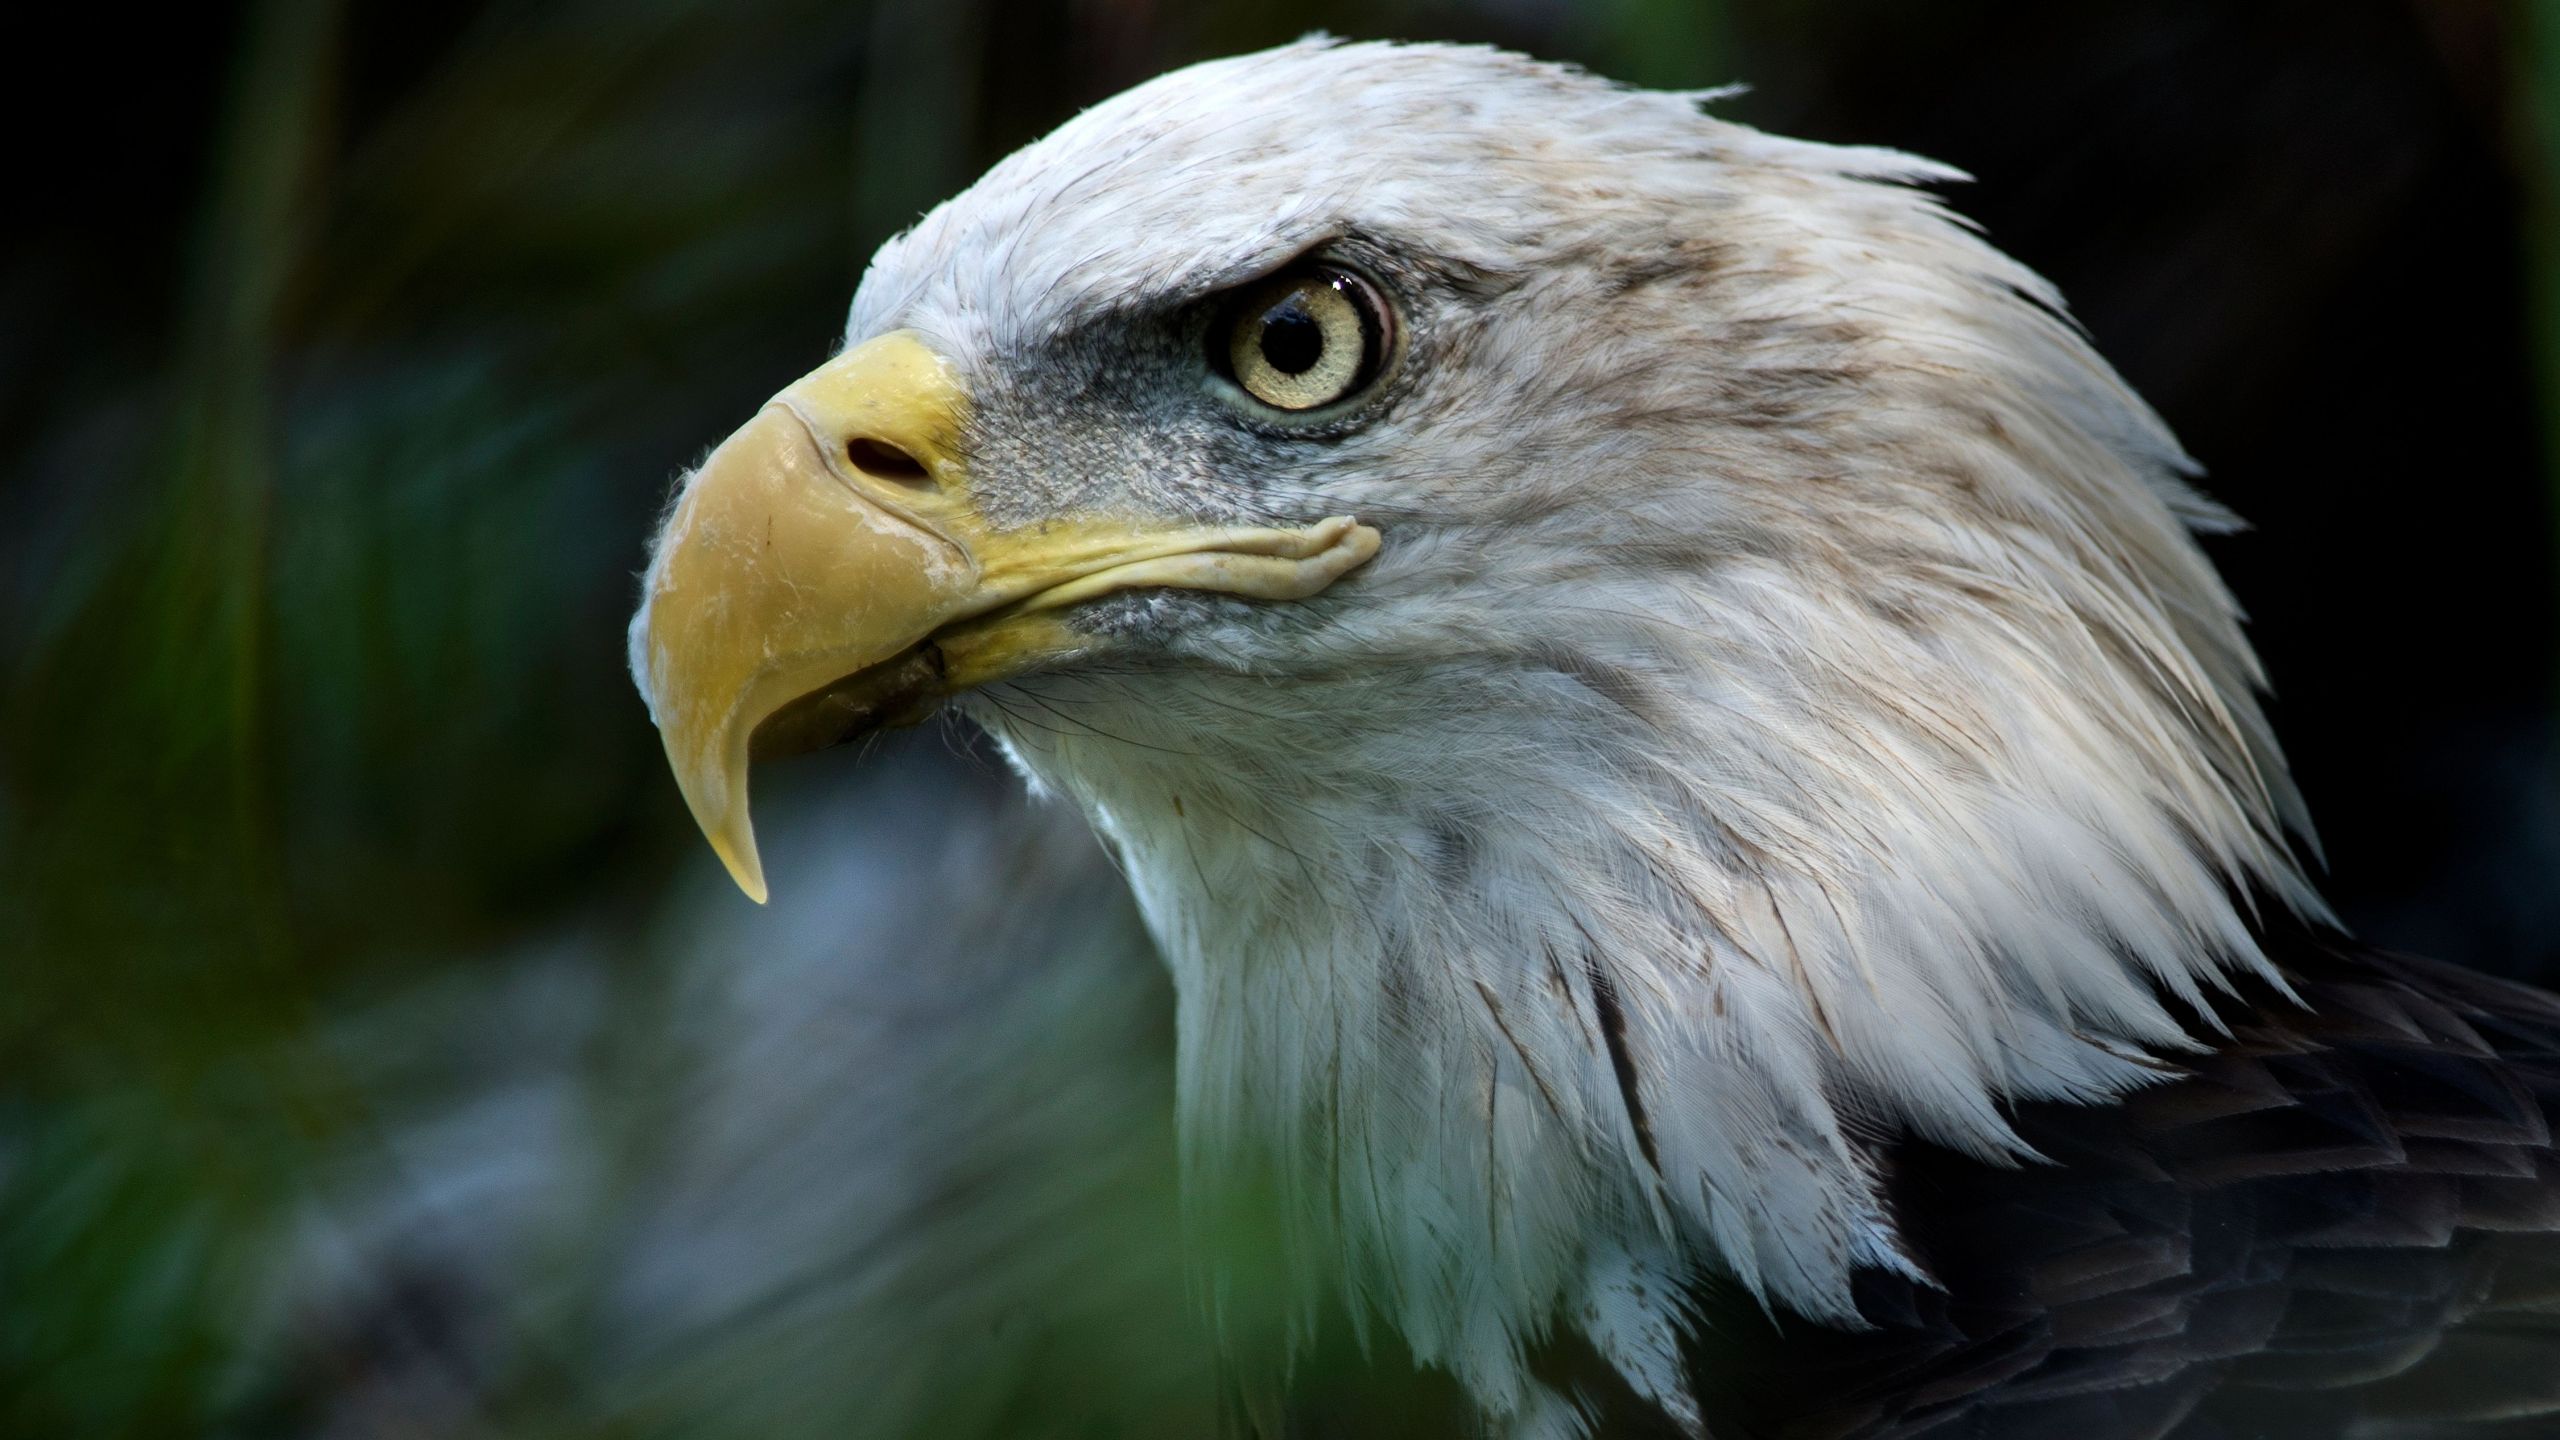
(826, 573)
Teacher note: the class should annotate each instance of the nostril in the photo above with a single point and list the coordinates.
(884, 461)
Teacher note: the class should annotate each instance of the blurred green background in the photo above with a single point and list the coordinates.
(381, 1053)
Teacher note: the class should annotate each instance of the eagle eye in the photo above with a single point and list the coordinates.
(1303, 338)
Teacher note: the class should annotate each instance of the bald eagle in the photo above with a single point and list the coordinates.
(1714, 831)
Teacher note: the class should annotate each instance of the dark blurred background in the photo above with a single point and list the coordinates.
(381, 1053)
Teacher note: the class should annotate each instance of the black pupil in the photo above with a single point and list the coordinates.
(1292, 339)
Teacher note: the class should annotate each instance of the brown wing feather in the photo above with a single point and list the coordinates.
(2345, 1221)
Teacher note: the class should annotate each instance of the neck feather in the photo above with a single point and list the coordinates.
(1649, 940)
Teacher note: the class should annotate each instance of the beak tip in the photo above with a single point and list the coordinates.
(720, 810)
(745, 868)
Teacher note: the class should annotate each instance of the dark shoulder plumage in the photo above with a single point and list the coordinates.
(2342, 1220)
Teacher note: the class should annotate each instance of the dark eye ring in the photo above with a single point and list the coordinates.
(1304, 338)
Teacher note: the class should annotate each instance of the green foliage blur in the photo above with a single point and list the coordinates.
(331, 456)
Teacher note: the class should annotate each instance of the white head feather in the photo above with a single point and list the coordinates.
(1790, 708)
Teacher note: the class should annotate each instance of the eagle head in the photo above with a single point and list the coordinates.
(1624, 657)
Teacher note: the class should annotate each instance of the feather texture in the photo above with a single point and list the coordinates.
(2343, 1220)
